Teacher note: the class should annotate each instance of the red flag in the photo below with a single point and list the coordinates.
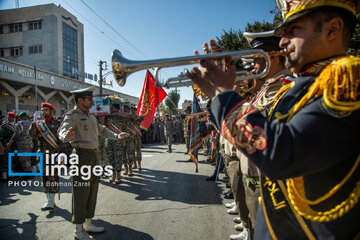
(151, 97)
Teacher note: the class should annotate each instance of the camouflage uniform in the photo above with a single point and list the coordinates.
(130, 144)
(168, 130)
(187, 133)
(50, 183)
(23, 142)
(6, 132)
(138, 140)
(103, 158)
(114, 149)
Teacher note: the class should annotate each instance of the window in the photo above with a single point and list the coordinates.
(1, 29)
(16, 51)
(35, 25)
(70, 52)
(16, 28)
(35, 49)
(2, 54)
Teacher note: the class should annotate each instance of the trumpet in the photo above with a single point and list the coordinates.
(123, 67)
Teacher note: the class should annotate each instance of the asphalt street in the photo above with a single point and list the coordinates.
(167, 199)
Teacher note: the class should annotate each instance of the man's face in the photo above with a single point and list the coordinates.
(46, 112)
(127, 110)
(11, 119)
(259, 65)
(86, 102)
(302, 43)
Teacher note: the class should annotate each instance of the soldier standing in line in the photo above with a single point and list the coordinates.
(6, 132)
(168, 130)
(44, 132)
(81, 129)
(113, 147)
(23, 142)
(136, 123)
(187, 126)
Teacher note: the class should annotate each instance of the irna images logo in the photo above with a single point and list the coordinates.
(15, 153)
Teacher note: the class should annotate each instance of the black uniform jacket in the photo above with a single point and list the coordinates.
(316, 144)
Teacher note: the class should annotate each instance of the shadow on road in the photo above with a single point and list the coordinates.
(119, 232)
(9, 228)
(150, 184)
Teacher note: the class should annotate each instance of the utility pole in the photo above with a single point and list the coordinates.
(100, 74)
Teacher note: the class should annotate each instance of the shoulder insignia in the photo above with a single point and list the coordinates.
(339, 83)
(72, 111)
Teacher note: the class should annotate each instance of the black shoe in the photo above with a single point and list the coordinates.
(186, 153)
(227, 185)
(211, 178)
(229, 195)
(189, 160)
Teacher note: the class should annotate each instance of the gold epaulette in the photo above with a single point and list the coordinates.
(72, 111)
(338, 83)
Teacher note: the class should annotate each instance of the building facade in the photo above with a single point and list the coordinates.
(42, 58)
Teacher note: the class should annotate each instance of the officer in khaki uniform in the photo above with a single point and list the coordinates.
(81, 129)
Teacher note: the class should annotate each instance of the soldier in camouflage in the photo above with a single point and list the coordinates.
(168, 130)
(136, 123)
(6, 132)
(114, 149)
(45, 133)
(23, 142)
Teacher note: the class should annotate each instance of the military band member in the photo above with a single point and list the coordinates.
(307, 147)
(129, 156)
(44, 132)
(81, 129)
(187, 126)
(6, 132)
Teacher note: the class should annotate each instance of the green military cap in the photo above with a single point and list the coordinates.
(22, 114)
(83, 92)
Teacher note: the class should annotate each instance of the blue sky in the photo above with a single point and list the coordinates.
(155, 29)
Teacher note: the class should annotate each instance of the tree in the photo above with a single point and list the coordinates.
(354, 46)
(171, 102)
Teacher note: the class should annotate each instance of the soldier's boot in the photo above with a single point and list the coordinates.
(50, 204)
(113, 177)
(130, 171)
(126, 169)
(139, 164)
(117, 179)
(134, 166)
(80, 233)
(169, 149)
(89, 227)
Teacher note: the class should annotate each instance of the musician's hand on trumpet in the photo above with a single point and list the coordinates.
(211, 78)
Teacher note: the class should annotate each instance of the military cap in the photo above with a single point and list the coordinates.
(83, 92)
(48, 105)
(22, 114)
(261, 39)
(292, 10)
(11, 114)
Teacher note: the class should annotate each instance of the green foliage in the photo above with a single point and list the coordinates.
(354, 46)
(172, 102)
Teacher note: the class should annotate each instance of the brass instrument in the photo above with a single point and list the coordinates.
(123, 67)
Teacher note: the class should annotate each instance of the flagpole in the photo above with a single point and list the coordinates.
(174, 105)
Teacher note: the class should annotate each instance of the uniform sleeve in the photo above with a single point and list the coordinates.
(33, 130)
(17, 131)
(64, 127)
(311, 141)
(107, 133)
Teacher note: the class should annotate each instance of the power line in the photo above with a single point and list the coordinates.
(116, 43)
(115, 30)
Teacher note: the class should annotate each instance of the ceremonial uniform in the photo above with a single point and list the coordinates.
(45, 134)
(300, 154)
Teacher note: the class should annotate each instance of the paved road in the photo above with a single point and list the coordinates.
(166, 200)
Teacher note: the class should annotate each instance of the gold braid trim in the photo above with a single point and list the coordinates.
(338, 83)
(278, 96)
(296, 191)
